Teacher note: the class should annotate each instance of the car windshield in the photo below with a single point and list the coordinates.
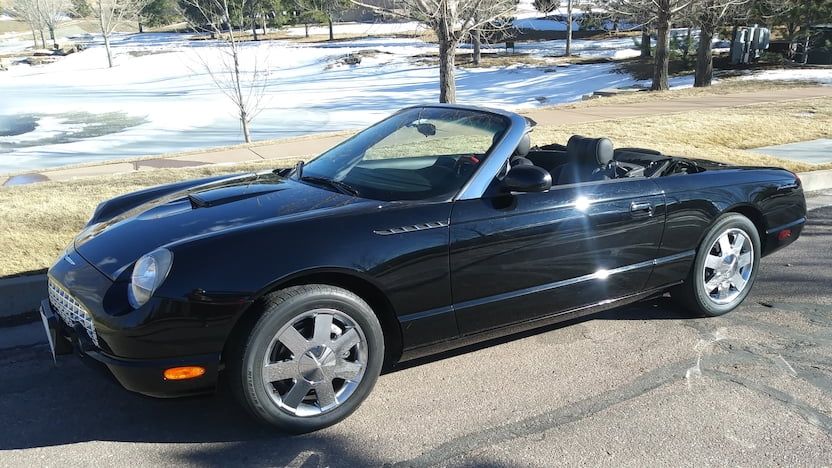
(416, 154)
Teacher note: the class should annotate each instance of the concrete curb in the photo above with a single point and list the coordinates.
(21, 294)
(816, 180)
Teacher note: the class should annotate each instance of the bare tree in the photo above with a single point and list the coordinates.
(568, 28)
(111, 13)
(451, 21)
(328, 9)
(798, 17)
(489, 26)
(546, 6)
(711, 15)
(645, 46)
(53, 12)
(660, 13)
(29, 12)
(244, 88)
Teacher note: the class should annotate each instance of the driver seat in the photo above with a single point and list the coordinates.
(587, 160)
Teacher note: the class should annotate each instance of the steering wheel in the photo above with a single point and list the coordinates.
(469, 160)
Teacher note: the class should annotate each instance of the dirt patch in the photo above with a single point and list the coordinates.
(143, 53)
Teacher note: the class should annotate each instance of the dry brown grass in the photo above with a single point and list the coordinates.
(726, 86)
(717, 134)
(38, 221)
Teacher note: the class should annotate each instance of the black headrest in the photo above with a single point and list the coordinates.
(523, 147)
(520, 161)
(589, 151)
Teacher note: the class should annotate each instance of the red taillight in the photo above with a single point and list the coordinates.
(784, 234)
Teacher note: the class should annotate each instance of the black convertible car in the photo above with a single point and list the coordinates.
(435, 228)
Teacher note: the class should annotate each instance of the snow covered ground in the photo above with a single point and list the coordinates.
(159, 97)
(819, 75)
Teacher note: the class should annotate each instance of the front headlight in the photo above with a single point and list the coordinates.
(148, 274)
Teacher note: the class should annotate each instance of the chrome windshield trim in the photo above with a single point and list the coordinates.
(488, 170)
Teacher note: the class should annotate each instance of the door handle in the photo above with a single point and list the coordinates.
(641, 209)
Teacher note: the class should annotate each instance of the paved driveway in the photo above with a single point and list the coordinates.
(643, 385)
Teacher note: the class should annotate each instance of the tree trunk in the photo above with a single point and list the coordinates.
(42, 39)
(52, 36)
(331, 35)
(141, 29)
(568, 28)
(244, 124)
(734, 31)
(109, 53)
(254, 27)
(662, 61)
(686, 46)
(645, 42)
(447, 84)
(475, 39)
(306, 26)
(35, 38)
(704, 58)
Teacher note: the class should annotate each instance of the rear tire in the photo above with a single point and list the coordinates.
(724, 269)
(309, 360)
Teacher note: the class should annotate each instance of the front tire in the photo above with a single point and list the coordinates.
(724, 269)
(309, 361)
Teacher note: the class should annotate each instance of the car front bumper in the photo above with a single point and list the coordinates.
(145, 376)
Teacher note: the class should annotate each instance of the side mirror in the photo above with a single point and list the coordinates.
(525, 178)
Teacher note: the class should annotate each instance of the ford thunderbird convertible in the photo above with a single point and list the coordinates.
(435, 228)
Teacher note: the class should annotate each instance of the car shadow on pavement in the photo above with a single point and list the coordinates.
(47, 405)
(656, 308)
(77, 401)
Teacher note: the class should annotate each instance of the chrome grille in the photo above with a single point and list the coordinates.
(70, 310)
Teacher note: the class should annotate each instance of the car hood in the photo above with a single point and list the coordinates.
(113, 245)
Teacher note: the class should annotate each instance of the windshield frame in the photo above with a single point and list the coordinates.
(496, 151)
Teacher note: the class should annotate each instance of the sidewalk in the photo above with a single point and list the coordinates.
(315, 144)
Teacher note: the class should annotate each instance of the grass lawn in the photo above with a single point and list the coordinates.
(39, 220)
(723, 135)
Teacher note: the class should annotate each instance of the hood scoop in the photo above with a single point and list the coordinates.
(223, 195)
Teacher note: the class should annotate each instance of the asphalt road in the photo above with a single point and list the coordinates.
(643, 385)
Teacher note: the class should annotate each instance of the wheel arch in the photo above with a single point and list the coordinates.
(352, 281)
(756, 216)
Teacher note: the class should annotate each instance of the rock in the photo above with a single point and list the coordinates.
(351, 59)
(67, 49)
(39, 60)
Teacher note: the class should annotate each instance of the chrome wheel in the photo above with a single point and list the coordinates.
(728, 266)
(315, 362)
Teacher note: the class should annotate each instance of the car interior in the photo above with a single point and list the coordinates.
(586, 159)
(581, 160)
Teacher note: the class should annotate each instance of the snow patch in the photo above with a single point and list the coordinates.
(822, 76)
(159, 82)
